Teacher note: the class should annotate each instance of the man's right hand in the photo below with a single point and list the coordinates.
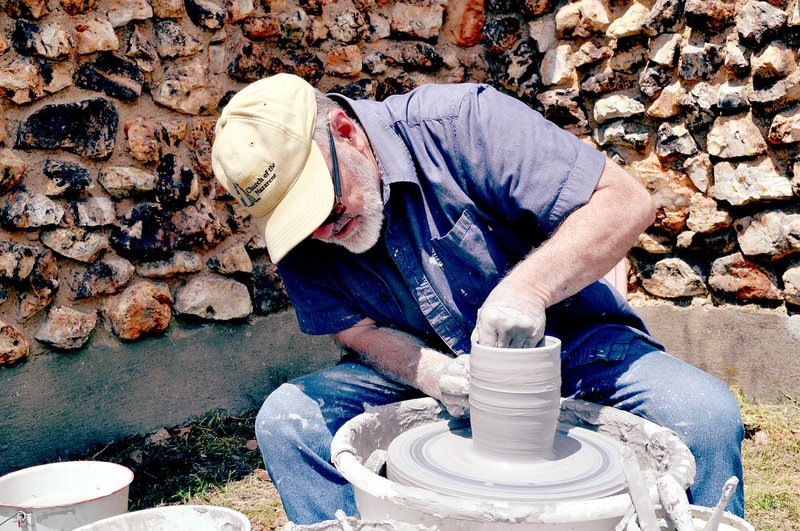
(509, 319)
(454, 386)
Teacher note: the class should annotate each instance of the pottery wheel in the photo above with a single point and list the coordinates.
(439, 457)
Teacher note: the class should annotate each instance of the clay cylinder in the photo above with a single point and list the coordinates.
(514, 398)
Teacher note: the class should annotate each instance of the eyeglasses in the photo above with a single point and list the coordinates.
(339, 207)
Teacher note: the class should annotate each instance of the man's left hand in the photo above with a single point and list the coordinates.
(509, 319)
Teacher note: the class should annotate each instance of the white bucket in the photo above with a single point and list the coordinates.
(63, 496)
(175, 518)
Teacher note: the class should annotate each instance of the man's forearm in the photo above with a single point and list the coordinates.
(396, 354)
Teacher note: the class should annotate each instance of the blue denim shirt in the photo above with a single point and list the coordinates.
(473, 180)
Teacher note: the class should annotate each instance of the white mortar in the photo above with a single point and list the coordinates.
(358, 452)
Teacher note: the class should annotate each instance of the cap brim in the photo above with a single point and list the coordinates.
(302, 210)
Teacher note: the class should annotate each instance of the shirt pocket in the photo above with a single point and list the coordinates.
(469, 260)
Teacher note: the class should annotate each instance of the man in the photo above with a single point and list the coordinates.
(405, 227)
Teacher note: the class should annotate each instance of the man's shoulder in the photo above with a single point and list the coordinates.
(431, 102)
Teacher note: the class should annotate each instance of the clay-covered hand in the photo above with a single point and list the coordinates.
(509, 319)
(454, 386)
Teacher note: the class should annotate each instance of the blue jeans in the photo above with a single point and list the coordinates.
(297, 422)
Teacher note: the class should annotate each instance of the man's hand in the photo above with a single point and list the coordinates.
(509, 319)
(454, 386)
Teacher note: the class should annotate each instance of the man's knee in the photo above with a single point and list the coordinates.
(285, 417)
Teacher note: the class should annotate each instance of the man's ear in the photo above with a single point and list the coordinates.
(344, 128)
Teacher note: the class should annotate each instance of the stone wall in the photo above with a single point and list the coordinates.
(110, 221)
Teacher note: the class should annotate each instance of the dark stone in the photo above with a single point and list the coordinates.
(697, 107)
(563, 107)
(147, 232)
(709, 15)
(503, 6)
(43, 285)
(177, 185)
(311, 7)
(663, 16)
(3, 294)
(25, 36)
(198, 227)
(266, 288)
(77, 7)
(250, 62)
(87, 127)
(711, 244)
(500, 34)
(206, 14)
(18, 261)
(518, 71)
(629, 56)
(391, 85)
(652, 79)
(418, 55)
(674, 141)
(603, 81)
(69, 178)
(308, 66)
(362, 89)
(117, 77)
(294, 30)
(103, 277)
(25, 8)
(700, 63)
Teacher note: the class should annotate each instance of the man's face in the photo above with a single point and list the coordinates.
(359, 229)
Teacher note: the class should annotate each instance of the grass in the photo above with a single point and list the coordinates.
(213, 460)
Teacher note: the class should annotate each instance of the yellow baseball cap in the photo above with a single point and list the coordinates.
(264, 156)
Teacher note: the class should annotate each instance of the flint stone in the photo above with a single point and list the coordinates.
(732, 96)
(777, 95)
(601, 82)
(708, 244)
(710, 15)
(239, 10)
(758, 20)
(748, 182)
(187, 89)
(735, 136)
(87, 127)
(148, 138)
(269, 294)
(25, 8)
(375, 63)
(663, 16)
(698, 106)
(557, 67)
(92, 212)
(308, 66)
(345, 23)
(294, 30)
(125, 11)
(145, 233)
(616, 106)
(463, 25)
(563, 107)
(232, 260)
(673, 278)
(142, 51)
(103, 277)
(250, 62)
(671, 190)
(775, 61)
(699, 62)
(262, 27)
(201, 139)
(66, 328)
(121, 181)
(78, 7)
(14, 346)
(582, 19)
(674, 140)
(543, 32)
(741, 279)
(791, 285)
(205, 13)
(589, 53)
(379, 27)
(172, 41)
(215, 298)
(94, 34)
(76, 243)
(358, 90)
(699, 168)
(772, 234)
(167, 8)
(785, 128)
(178, 263)
(143, 308)
(177, 185)
(537, 8)
(630, 23)
(629, 59)
(198, 226)
(47, 40)
(416, 21)
(16, 261)
(12, 168)
(653, 79)
(24, 209)
(793, 13)
(668, 102)
(737, 61)
(653, 243)
(501, 34)
(67, 179)
(117, 77)
(27, 79)
(43, 284)
(664, 48)
(622, 132)
(418, 55)
(705, 215)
